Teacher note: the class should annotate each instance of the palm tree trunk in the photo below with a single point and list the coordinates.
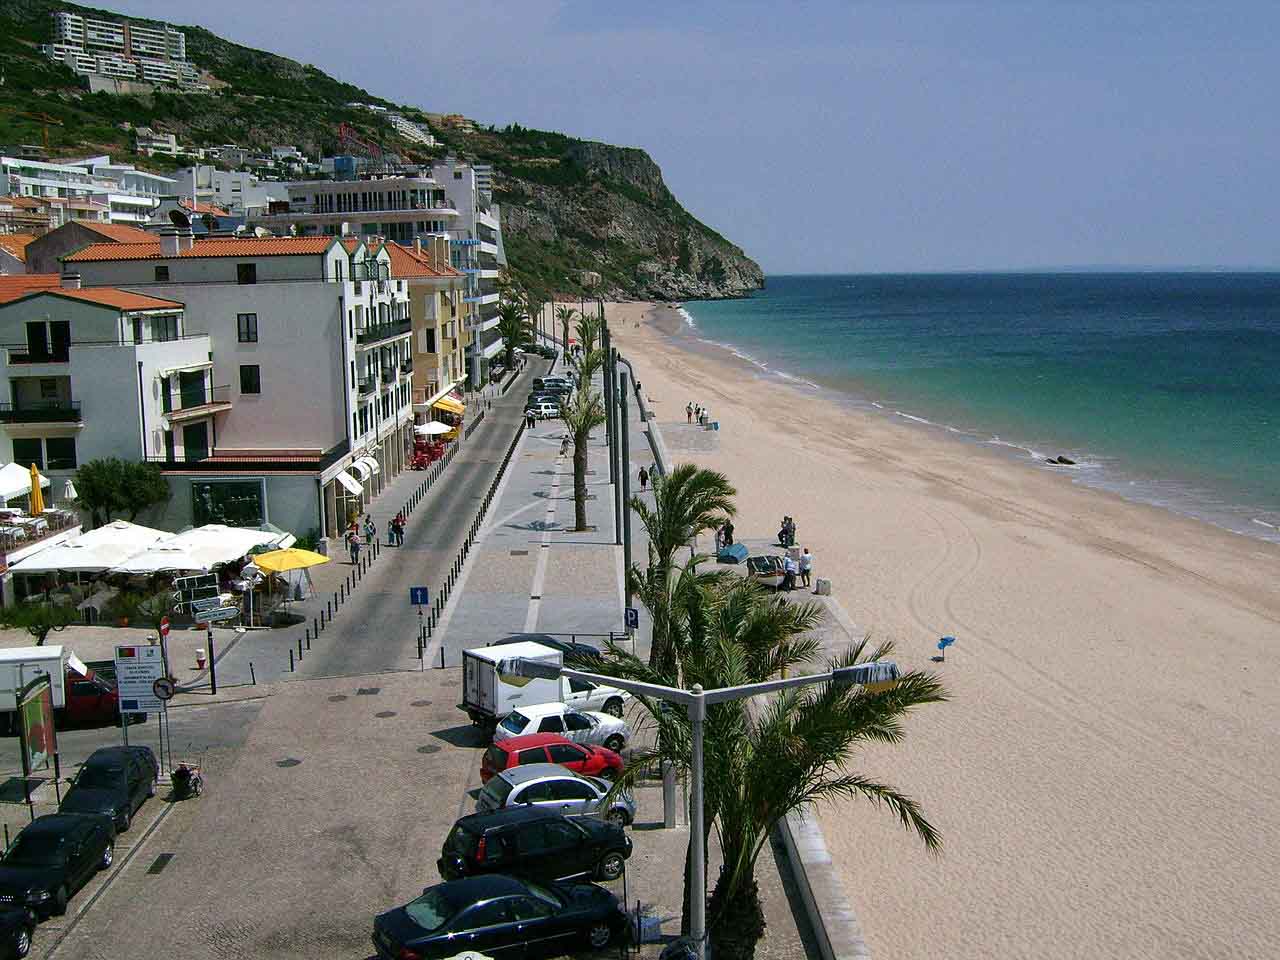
(736, 921)
(580, 483)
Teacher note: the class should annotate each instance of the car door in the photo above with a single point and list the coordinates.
(136, 777)
(578, 727)
(538, 794)
(580, 694)
(539, 928)
(569, 755)
(488, 928)
(531, 755)
(81, 857)
(573, 797)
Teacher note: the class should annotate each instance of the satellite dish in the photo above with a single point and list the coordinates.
(261, 232)
(179, 218)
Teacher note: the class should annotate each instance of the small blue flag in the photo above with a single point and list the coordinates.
(946, 642)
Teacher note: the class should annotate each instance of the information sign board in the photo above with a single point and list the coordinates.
(137, 670)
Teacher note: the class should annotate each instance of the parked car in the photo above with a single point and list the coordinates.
(541, 383)
(534, 844)
(552, 787)
(53, 857)
(571, 649)
(535, 402)
(544, 410)
(16, 929)
(550, 748)
(577, 725)
(114, 781)
(500, 917)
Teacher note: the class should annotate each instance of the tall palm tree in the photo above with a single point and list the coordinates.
(687, 502)
(533, 305)
(513, 327)
(589, 327)
(565, 316)
(581, 415)
(586, 365)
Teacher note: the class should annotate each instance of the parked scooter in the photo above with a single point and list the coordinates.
(187, 780)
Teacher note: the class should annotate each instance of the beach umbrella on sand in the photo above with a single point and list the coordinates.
(942, 646)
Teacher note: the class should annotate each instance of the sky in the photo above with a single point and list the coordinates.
(844, 137)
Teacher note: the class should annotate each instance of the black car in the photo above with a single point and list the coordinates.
(16, 928)
(52, 858)
(534, 844)
(537, 398)
(114, 781)
(571, 649)
(500, 917)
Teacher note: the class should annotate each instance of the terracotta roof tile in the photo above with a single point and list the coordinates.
(216, 247)
(28, 203)
(118, 233)
(16, 244)
(113, 297)
(11, 288)
(407, 262)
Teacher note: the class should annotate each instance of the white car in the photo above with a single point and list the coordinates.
(599, 729)
(545, 411)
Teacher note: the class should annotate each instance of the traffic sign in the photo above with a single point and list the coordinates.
(419, 596)
(631, 617)
(164, 688)
(164, 627)
(137, 670)
(218, 614)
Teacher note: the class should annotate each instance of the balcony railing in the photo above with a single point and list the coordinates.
(41, 411)
(191, 398)
(384, 331)
(388, 374)
(368, 386)
(39, 356)
(406, 366)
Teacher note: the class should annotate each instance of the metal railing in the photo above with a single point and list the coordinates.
(406, 366)
(368, 385)
(383, 331)
(25, 355)
(41, 411)
(180, 399)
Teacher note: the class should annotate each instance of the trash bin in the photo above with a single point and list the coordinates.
(715, 424)
(822, 587)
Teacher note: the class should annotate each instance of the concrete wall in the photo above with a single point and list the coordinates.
(292, 502)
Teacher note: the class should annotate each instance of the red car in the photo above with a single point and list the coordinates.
(549, 748)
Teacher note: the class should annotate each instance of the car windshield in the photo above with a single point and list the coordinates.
(497, 790)
(515, 722)
(100, 778)
(431, 911)
(35, 850)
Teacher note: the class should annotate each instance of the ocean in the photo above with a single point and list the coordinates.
(1162, 387)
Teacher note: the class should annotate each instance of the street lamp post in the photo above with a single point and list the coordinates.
(695, 701)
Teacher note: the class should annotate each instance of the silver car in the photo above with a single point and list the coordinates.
(552, 787)
(580, 726)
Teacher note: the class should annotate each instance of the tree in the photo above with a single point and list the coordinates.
(687, 502)
(581, 415)
(513, 327)
(588, 331)
(565, 316)
(585, 366)
(143, 486)
(39, 619)
(111, 485)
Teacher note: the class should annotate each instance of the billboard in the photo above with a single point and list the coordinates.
(35, 720)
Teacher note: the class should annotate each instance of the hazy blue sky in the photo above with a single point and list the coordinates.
(843, 136)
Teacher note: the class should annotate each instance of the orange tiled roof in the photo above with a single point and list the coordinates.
(216, 247)
(16, 244)
(196, 207)
(113, 297)
(11, 288)
(118, 233)
(28, 203)
(407, 262)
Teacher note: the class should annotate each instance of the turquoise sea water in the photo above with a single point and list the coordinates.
(1162, 387)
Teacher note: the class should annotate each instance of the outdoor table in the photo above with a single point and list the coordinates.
(16, 532)
(38, 524)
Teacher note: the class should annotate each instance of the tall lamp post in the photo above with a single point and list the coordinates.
(695, 701)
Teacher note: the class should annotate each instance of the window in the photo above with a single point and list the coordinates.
(48, 388)
(61, 453)
(250, 378)
(162, 274)
(491, 914)
(28, 451)
(527, 908)
(247, 327)
(571, 790)
(431, 340)
(237, 503)
(563, 753)
(576, 721)
(535, 793)
(246, 273)
(164, 328)
(580, 686)
(532, 755)
(551, 725)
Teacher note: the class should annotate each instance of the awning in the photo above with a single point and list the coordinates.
(432, 429)
(15, 481)
(350, 482)
(450, 405)
(361, 469)
(185, 368)
(371, 463)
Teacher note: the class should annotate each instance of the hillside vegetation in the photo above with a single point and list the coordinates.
(572, 210)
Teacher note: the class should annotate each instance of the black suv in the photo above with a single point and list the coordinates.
(535, 845)
(53, 857)
(114, 781)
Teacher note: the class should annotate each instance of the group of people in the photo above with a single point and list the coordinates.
(695, 411)
(724, 536)
(395, 534)
(791, 568)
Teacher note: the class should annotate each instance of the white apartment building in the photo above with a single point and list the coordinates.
(121, 49)
(310, 352)
(411, 131)
(127, 195)
(398, 209)
(235, 191)
(151, 142)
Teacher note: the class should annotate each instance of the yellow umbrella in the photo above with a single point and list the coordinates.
(279, 561)
(37, 498)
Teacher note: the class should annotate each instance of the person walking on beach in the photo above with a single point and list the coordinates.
(806, 567)
(644, 479)
(688, 411)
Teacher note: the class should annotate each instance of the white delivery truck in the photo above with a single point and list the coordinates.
(487, 698)
(80, 696)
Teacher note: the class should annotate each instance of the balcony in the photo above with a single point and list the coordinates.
(24, 355)
(383, 331)
(388, 374)
(195, 402)
(368, 385)
(41, 411)
(406, 366)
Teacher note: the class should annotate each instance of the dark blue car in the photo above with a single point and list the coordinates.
(500, 917)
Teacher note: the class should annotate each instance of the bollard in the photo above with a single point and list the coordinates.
(328, 609)
(252, 676)
(315, 626)
(309, 642)
(308, 630)
(442, 656)
(291, 659)
(428, 625)
(299, 648)
(342, 591)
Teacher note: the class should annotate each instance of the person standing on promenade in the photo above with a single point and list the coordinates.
(726, 532)
(398, 525)
(370, 530)
(353, 546)
(644, 479)
(688, 411)
(789, 568)
(806, 567)
(391, 533)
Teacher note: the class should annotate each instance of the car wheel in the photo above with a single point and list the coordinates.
(616, 743)
(108, 855)
(125, 820)
(614, 707)
(151, 788)
(599, 935)
(22, 942)
(617, 817)
(59, 902)
(610, 866)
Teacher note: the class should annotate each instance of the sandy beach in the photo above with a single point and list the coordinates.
(1105, 777)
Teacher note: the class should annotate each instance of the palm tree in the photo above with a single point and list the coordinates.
(687, 502)
(513, 327)
(581, 415)
(565, 316)
(533, 305)
(586, 365)
(588, 331)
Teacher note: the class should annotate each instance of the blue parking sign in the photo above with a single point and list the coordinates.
(419, 596)
(631, 617)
